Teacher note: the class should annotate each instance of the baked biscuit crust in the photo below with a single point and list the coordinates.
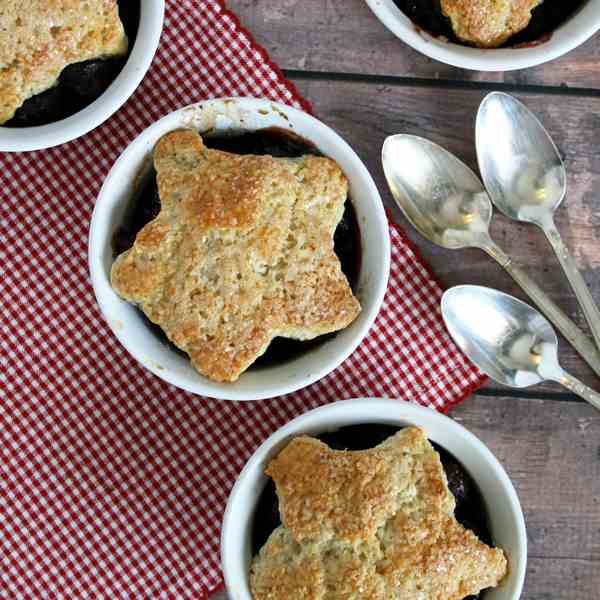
(374, 524)
(41, 37)
(488, 23)
(241, 252)
(327, 494)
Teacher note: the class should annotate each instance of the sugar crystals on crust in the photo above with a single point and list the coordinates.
(241, 252)
(327, 494)
(41, 37)
(488, 23)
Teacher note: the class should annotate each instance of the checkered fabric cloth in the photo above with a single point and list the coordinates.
(113, 483)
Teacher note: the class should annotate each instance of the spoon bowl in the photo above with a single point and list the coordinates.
(442, 198)
(507, 339)
(520, 164)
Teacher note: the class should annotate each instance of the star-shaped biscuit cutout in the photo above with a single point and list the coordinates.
(373, 524)
(241, 252)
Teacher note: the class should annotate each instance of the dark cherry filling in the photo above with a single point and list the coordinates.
(470, 508)
(279, 143)
(79, 84)
(427, 14)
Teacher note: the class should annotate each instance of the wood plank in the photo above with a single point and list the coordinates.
(345, 36)
(551, 451)
(561, 579)
(364, 114)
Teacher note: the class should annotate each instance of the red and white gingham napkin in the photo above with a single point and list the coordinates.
(113, 483)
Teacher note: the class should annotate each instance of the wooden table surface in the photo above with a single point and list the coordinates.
(367, 84)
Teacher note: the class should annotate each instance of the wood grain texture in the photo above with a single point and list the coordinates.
(345, 36)
(551, 452)
(364, 114)
(561, 579)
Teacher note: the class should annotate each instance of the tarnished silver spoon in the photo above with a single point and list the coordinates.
(449, 206)
(526, 179)
(507, 339)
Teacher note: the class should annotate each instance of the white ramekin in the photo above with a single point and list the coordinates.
(125, 320)
(576, 30)
(506, 517)
(21, 139)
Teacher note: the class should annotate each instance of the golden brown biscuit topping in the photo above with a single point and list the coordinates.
(488, 23)
(241, 252)
(374, 524)
(41, 37)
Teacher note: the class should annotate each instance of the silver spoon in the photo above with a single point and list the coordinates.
(526, 179)
(447, 203)
(507, 339)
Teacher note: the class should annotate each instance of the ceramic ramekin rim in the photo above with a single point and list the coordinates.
(378, 284)
(579, 28)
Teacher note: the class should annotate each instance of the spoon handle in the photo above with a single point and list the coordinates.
(561, 321)
(577, 387)
(567, 262)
